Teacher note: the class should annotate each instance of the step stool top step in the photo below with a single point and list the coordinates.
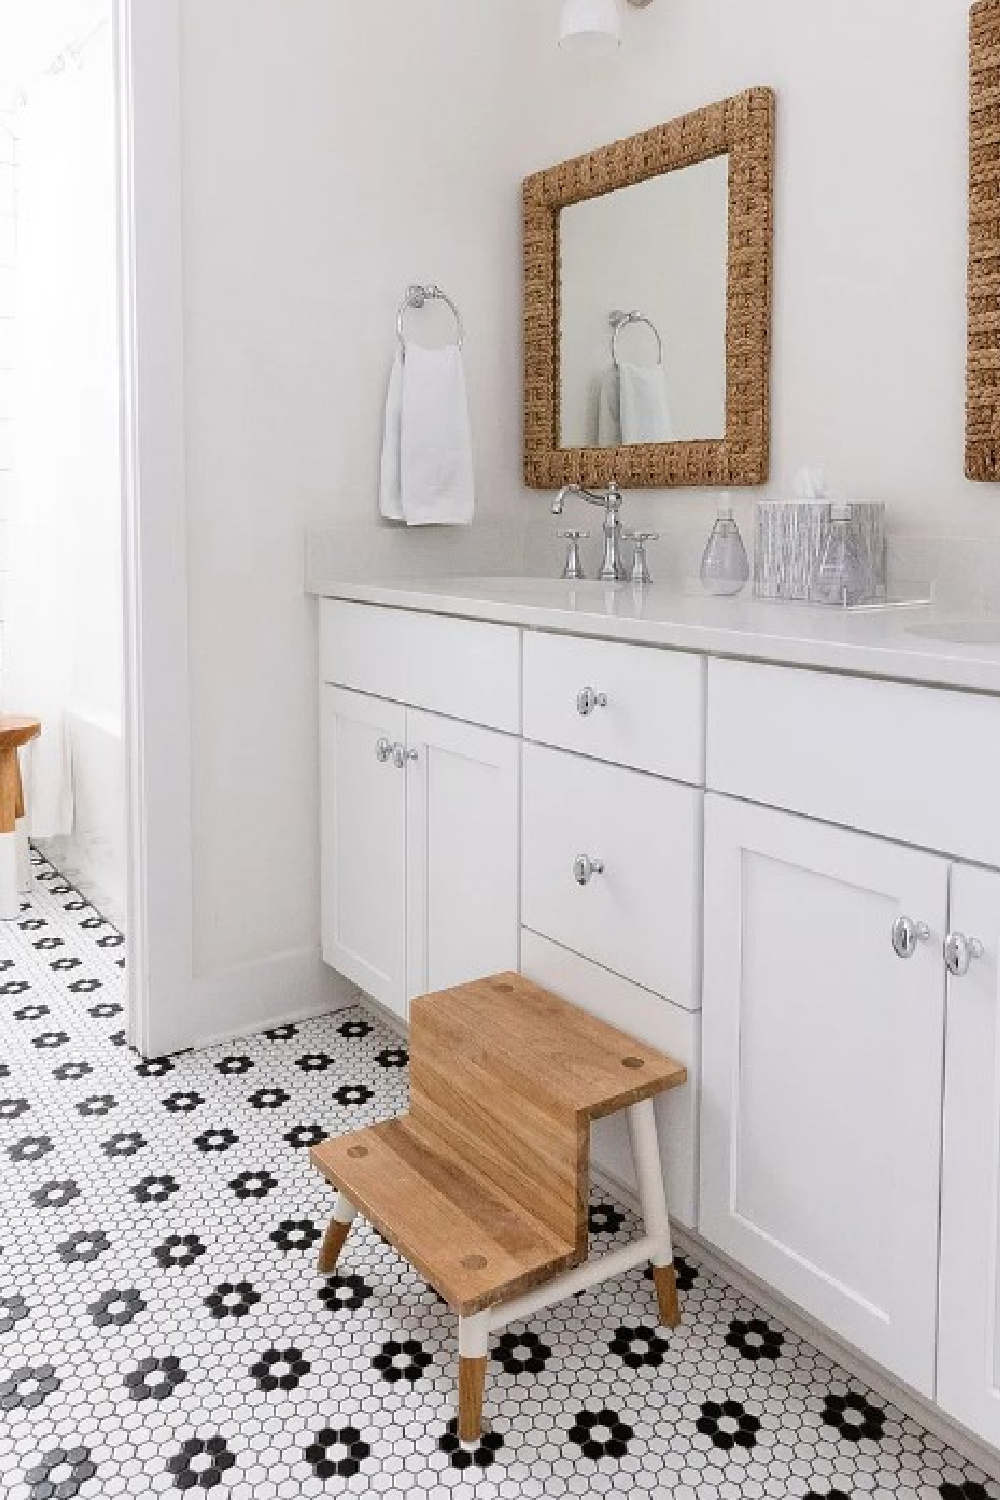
(512, 1027)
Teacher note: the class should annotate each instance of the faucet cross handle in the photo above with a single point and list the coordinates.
(640, 565)
(573, 567)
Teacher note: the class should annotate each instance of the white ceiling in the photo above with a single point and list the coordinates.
(32, 32)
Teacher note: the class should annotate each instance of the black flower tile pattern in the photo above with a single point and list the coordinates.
(163, 1330)
(755, 1339)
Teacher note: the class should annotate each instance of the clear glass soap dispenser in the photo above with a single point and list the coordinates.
(724, 567)
(839, 577)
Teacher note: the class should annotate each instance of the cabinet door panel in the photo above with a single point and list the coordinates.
(969, 1337)
(822, 1065)
(463, 800)
(363, 832)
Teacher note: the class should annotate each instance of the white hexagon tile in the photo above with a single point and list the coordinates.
(163, 1331)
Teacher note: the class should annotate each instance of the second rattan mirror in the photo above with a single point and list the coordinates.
(647, 305)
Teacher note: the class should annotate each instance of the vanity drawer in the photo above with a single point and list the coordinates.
(641, 916)
(918, 764)
(658, 1023)
(462, 668)
(654, 716)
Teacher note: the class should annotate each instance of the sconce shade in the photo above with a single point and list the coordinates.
(590, 27)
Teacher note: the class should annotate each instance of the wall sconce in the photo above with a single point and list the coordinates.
(592, 28)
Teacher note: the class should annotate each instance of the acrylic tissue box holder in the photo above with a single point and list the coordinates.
(789, 537)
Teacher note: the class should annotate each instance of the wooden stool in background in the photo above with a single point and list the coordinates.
(484, 1185)
(14, 868)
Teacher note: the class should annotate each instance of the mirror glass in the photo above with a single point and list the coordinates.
(643, 283)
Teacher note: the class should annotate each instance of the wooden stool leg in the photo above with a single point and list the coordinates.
(473, 1350)
(471, 1385)
(652, 1194)
(337, 1230)
(10, 901)
(665, 1281)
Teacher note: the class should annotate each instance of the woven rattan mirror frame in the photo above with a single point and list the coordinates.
(982, 402)
(743, 128)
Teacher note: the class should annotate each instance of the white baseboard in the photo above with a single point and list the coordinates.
(289, 987)
(863, 1369)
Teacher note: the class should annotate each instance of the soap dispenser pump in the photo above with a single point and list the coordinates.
(725, 568)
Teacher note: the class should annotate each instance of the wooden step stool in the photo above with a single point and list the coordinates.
(15, 871)
(484, 1185)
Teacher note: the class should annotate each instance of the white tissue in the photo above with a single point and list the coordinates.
(810, 483)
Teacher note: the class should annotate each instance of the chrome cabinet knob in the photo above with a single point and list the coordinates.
(587, 700)
(383, 750)
(400, 756)
(959, 951)
(585, 868)
(906, 934)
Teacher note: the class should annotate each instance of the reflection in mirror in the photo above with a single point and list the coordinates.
(643, 295)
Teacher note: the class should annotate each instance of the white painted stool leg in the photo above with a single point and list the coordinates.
(473, 1350)
(10, 898)
(23, 855)
(344, 1214)
(653, 1197)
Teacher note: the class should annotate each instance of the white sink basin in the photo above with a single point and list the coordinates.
(961, 632)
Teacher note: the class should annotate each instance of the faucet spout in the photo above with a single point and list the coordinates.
(613, 567)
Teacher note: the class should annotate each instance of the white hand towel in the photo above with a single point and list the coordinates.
(437, 482)
(390, 499)
(645, 404)
(609, 421)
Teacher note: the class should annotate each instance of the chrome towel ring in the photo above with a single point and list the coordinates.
(620, 320)
(416, 296)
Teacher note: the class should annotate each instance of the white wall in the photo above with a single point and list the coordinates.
(335, 152)
(7, 251)
(871, 195)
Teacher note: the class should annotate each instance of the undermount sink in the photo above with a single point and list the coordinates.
(961, 632)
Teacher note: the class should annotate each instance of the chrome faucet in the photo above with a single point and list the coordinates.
(613, 566)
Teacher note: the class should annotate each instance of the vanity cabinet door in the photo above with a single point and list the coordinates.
(969, 1334)
(363, 848)
(822, 1073)
(463, 805)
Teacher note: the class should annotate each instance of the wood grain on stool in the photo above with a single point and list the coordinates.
(665, 1281)
(471, 1384)
(483, 1186)
(333, 1243)
(15, 731)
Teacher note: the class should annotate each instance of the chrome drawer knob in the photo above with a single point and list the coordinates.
(906, 934)
(959, 951)
(400, 756)
(383, 750)
(585, 868)
(587, 700)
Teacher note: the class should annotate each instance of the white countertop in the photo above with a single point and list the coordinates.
(878, 643)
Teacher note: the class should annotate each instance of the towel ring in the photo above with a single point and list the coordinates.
(416, 296)
(620, 320)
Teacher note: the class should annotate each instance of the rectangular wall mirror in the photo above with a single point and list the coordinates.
(648, 305)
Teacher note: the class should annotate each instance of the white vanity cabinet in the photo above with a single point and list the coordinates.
(821, 1082)
(850, 1083)
(969, 1328)
(363, 843)
(420, 811)
(787, 878)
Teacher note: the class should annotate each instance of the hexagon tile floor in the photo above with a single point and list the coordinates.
(162, 1329)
